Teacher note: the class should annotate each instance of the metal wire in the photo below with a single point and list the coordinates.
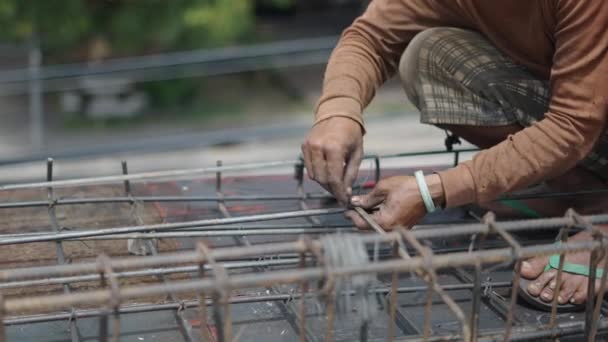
(210, 272)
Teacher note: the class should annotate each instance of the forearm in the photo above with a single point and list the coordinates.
(369, 51)
(540, 152)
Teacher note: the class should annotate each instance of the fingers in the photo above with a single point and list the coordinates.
(352, 167)
(307, 161)
(380, 216)
(335, 172)
(369, 201)
(319, 167)
(357, 220)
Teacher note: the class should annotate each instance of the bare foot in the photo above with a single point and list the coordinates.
(574, 286)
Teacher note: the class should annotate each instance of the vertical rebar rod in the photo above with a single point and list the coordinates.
(456, 310)
(186, 328)
(330, 310)
(589, 309)
(428, 274)
(593, 262)
(103, 319)
(490, 220)
(600, 295)
(428, 310)
(304, 291)
(221, 300)
(218, 318)
(109, 279)
(59, 251)
(476, 304)
(392, 299)
(299, 175)
(202, 301)
(558, 281)
(287, 309)
(496, 303)
(240, 240)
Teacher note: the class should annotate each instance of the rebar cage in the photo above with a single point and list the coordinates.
(272, 265)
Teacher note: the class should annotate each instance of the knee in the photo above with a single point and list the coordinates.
(420, 49)
(421, 52)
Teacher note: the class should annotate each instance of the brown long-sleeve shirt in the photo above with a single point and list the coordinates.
(565, 41)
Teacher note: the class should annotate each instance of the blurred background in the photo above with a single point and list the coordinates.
(173, 84)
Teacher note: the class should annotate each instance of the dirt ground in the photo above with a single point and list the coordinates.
(80, 217)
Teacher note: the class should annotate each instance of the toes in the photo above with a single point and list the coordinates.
(537, 287)
(570, 284)
(580, 295)
(547, 294)
(532, 269)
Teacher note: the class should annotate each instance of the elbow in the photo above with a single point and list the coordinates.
(580, 134)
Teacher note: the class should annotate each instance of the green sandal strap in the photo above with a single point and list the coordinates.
(572, 268)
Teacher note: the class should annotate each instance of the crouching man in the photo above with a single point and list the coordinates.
(523, 80)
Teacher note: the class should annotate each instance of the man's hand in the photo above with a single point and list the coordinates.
(332, 155)
(398, 202)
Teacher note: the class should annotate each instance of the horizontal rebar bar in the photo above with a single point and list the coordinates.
(427, 233)
(193, 172)
(211, 233)
(265, 261)
(526, 333)
(146, 199)
(293, 247)
(149, 272)
(171, 226)
(229, 227)
(255, 198)
(99, 297)
(139, 308)
(173, 174)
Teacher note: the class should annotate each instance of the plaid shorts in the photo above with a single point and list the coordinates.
(457, 77)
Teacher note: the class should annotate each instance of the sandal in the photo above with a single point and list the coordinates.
(568, 268)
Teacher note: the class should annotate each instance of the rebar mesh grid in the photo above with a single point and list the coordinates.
(292, 274)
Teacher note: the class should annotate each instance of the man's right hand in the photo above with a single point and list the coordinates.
(332, 153)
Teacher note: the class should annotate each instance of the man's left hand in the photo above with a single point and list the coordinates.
(396, 202)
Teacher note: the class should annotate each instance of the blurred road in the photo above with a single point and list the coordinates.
(387, 133)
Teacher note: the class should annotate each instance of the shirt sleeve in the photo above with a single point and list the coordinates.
(575, 119)
(369, 50)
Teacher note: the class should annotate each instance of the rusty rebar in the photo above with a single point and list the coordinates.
(59, 251)
(424, 263)
(392, 297)
(202, 301)
(424, 272)
(563, 237)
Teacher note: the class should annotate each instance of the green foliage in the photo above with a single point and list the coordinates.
(62, 22)
(126, 26)
(82, 29)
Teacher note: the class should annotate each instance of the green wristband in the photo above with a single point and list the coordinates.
(424, 192)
